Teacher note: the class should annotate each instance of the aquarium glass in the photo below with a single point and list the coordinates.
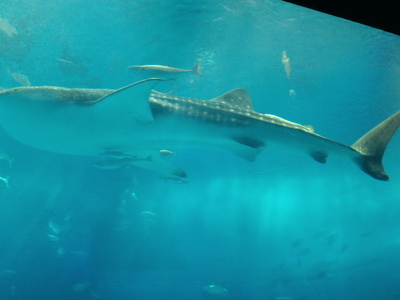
(250, 221)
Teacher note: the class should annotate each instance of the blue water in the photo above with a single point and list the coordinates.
(283, 226)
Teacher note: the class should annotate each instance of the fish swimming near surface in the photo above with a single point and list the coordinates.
(165, 71)
(135, 121)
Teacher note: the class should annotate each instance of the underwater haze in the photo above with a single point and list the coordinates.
(283, 227)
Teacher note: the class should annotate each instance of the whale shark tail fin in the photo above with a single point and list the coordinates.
(372, 146)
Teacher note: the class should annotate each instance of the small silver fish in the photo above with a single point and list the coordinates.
(21, 79)
(54, 226)
(166, 152)
(286, 64)
(5, 157)
(148, 214)
(62, 60)
(81, 287)
(167, 72)
(5, 180)
(8, 28)
(53, 238)
(215, 289)
(8, 273)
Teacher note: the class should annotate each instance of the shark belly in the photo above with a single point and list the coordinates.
(78, 130)
(56, 127)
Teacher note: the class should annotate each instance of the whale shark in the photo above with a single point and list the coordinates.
(138, 125)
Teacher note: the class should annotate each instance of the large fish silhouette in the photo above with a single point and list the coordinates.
(138, 125)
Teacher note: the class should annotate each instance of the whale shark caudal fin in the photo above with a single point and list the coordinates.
(372, 147)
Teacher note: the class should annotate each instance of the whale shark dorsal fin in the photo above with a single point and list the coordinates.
(239, 98)
(132, 99)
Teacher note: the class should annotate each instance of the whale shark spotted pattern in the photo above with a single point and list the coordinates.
(135, 124)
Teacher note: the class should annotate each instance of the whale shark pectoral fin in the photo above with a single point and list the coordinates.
(246, 148)
(132, 99)
(319, 156)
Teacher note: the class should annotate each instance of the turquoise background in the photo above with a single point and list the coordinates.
(283, 226)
